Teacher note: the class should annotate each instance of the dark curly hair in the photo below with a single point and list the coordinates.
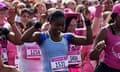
(55, 15)
(113, 16)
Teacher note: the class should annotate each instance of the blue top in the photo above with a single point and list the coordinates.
(52, 49)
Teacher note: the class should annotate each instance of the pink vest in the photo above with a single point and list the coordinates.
(112, 50)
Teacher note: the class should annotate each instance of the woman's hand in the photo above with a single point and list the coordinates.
(94, 55)
(86, 13)
(11, 15)
(98, 11)
(7, 68)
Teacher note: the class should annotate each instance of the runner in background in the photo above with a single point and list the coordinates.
(29, 53)
(103, 7)
(39, 9)
(87, 65)
(13, 37)
(69, 5)
(108, 41)
(74, 55)
(18, 8)
(11, 53)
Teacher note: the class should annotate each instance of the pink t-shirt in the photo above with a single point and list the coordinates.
(112, 50)
(12, 52)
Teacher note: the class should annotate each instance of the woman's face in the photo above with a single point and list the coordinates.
(108, 4)
(25, 17)
(72, 25)
(58, 25)
(41, 8)
(19, 8)
(72, 6)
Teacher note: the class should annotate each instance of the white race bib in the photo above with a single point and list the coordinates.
(33, 52)
(59, 63)
(74, 58)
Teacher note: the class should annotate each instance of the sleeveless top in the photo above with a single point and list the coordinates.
(28, 58)
(112, 50)
(51, 49)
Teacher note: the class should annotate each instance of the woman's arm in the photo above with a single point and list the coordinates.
(31, 35)
(77, 40)
(7, 68)
(14, 36)
(82, 40)
(96, 20)
(98, 45)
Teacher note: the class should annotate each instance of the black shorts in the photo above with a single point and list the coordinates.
(104, 68)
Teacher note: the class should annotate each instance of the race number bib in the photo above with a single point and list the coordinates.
(59, 63)
(74, 58)
(4, 55)
(33, 52)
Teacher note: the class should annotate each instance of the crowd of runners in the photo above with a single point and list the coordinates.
(59, 36)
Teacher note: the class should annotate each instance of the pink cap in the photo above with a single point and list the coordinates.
(3, 6)
(68, 10)
(116, 9)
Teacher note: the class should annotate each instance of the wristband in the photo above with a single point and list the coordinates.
(87, 22)
(5, 31)
(37, 25)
